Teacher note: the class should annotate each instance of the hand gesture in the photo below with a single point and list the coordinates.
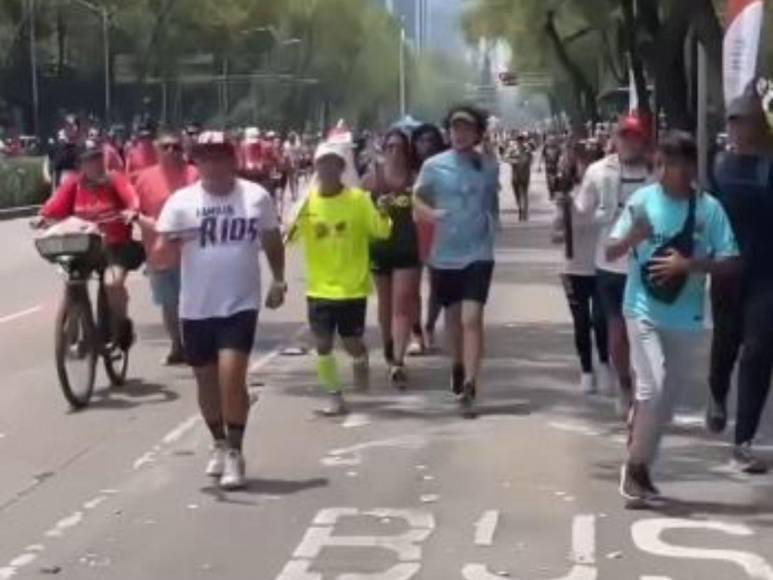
(665, 268)
(276, 295)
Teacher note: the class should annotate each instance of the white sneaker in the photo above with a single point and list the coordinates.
(605, 380)
(216, 462)
(233, 471)
(588, 384)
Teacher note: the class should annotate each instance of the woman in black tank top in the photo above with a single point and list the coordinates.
(395, 261)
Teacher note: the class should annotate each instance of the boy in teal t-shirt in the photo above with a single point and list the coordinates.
(662, 330)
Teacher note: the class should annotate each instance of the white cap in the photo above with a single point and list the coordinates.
(325, 149)
(251, 134)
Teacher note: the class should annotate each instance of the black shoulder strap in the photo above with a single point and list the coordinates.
(689, 223)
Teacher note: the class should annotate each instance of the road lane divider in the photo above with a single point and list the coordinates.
(20, 314)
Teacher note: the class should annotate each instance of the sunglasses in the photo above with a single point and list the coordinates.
(173, 147)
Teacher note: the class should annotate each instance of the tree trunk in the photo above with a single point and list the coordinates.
(616, 68)
(585, 94)
(666, 59)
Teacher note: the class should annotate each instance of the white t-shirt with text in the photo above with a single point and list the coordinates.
(220, 254)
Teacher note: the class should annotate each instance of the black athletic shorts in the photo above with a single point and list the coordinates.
(470, 284)
(345, 317)
(204, 339)
(611, 289)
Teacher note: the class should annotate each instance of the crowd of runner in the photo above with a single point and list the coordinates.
(640, 240)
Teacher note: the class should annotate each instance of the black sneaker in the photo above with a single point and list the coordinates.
(389, 352)
(397, 377)
(646, 480)
(467, 401)
(746, 461)
(634, 483)
(457, 379)
(716, 415)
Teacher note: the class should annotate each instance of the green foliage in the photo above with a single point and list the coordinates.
(349, 46)
(22, 182)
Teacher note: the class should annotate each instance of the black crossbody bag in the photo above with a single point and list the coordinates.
(684, 243)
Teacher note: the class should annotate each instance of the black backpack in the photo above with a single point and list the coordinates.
(684, 243)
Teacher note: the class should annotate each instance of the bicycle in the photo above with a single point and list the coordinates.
(82, 335)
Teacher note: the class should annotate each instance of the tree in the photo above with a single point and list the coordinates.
(651, 37)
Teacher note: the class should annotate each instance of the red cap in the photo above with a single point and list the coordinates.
(633, 124)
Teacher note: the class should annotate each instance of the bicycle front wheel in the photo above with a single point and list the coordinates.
(76, 347)
(116, 358)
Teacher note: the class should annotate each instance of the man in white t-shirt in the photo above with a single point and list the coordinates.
(605, 189)
(220, 224)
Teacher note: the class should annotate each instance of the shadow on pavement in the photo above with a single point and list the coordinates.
(134, 393)
(270, 487)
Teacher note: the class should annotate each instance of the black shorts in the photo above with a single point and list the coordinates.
(385, 265)
(611, 290)
(346, 317)
(204, 339)
(471, 284)
(129, 255)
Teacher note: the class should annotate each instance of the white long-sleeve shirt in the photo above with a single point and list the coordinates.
(605, 189)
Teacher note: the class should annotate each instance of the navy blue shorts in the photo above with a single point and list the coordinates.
(204, 339)
(470, 284)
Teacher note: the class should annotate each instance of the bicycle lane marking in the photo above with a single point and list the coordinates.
(20, 314)
(77, 517)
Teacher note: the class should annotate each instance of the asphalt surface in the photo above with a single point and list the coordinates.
(401, 489)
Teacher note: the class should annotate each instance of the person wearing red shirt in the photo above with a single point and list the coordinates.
(109, 200)
(113, 159)
(251, 156)
(142, 153)
(154, 187)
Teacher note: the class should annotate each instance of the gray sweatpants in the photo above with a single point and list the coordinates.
(662, 361)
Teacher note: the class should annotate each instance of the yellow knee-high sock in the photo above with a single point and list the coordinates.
(327, 373)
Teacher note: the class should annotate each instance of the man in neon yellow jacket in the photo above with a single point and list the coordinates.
(335, 226)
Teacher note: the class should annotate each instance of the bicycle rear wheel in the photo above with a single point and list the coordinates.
(76, 347)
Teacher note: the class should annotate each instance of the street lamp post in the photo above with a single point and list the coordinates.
(34, 68)
(104, 14)
(402, 70)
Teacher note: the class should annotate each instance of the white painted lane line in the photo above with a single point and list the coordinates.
(264, 360)
(20, 314)
(584, 539)
(486, 527)
(354, 420)
(647, 537)
(65, 524)
(178, 432)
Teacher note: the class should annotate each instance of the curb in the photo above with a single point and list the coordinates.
(19, 212)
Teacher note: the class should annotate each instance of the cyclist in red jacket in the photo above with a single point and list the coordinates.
(109, 201)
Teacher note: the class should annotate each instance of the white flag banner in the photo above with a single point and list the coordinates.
(633, 94)
(741, 46)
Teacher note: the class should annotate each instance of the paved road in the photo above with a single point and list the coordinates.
(401, 489)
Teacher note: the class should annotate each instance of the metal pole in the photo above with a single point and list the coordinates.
(402, 71)
(34, 69)
(703, 116)
(106, 46)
